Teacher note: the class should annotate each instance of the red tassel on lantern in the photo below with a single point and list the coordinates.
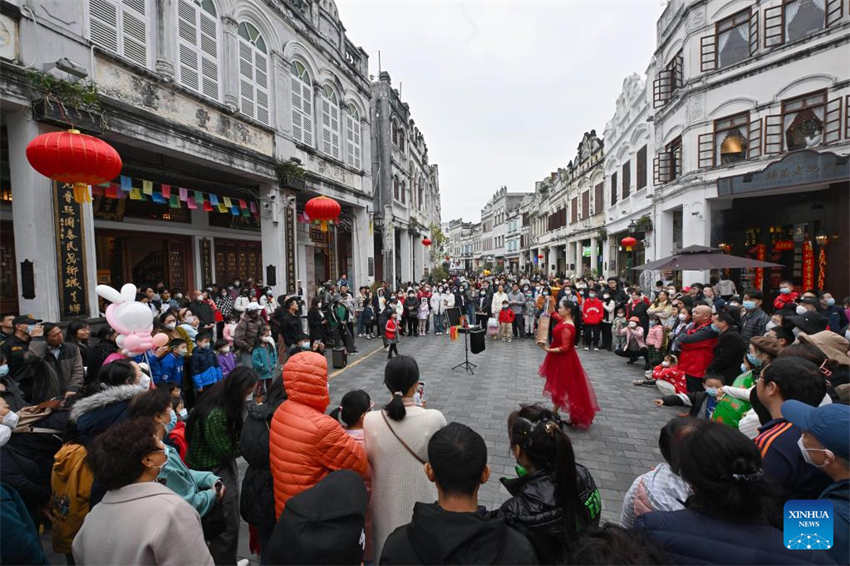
(74, 158)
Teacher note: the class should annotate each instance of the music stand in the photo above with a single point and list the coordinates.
(466, 364)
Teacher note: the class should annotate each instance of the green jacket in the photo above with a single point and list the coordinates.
(210, 445)
(192, 485)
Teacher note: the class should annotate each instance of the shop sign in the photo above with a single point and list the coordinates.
(206, 262)
(585, 251)
(798, 168)
(70, 251)
(290, 250)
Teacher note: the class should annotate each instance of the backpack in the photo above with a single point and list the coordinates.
(70, 483)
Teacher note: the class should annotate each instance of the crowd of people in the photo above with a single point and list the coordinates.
(133, 459)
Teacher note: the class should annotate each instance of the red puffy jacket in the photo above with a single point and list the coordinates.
(697, 350)
(506, 316)
(592, 311)
(305, 444)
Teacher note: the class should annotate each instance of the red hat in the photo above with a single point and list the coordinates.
(634, 319)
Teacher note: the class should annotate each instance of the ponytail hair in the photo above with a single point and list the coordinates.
(540, 434)
(400, 374)
(353, 405)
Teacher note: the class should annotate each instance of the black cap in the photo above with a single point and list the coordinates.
(25, 319)
(811, 323)
(301, 337)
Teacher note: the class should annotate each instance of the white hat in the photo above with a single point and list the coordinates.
(253, 306)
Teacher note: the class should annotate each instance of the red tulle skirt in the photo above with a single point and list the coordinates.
(569, 387)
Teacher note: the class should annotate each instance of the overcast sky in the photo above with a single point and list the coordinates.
(503, 90)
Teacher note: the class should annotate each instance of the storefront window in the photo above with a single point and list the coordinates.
(802, 120)
(730, 138)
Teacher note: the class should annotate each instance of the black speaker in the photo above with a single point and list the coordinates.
(340, 358)
(476, 341)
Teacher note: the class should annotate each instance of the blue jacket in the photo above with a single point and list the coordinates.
(20, 543)
(194, 486)
(689, 537)
(784, 465)
(168, 369)
(264, 360)
(205, 370)
(839, 494)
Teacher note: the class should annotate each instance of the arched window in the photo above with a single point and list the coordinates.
(395, 188)
(330, 122)
(302, 104)
(197, 41)
(395, 132)
(253, 73)
(121, 27)
(401, 139)
(352, 136)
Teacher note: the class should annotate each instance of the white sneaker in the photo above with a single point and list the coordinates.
(586, 349)
(596, 349)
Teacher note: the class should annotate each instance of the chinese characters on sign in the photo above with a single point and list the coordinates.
(290, 250)
(206, 262)
(70, 252)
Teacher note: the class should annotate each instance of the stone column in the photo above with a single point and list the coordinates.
(552, 260)
(273, 234)
(362, 244)
(606, 257)
(230, 63)
(33, 222)
(578, 269)
(166, 39)
(594, 254)
(282, 98)
(695, 222)
(405, 254)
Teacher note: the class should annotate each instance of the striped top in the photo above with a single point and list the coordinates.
(783, 463)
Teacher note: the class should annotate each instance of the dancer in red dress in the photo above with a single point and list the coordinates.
(566, 382)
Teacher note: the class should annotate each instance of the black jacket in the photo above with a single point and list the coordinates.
(534, 512)
(753, 323)
(290, 328)
(435, 536)
(317, 324)
(256, 503)
(728, 354)
(203, 311)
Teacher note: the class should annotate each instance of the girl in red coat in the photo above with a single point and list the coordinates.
(391, 334)
(566, 382)
(592, 312)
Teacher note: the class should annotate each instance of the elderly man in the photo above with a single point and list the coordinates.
(63, 357)
(697, 347)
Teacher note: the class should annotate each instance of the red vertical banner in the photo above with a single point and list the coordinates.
(758, 280)
(808, 265)
(821, 268)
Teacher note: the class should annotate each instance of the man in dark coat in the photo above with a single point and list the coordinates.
(202, 310)
(288, 322)
(457, 463)
(729, 351)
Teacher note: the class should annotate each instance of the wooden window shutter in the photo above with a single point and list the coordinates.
(847, 117)
(833, 11)
(662, 88)
(774, 26)
(754, 31)
(585, 204)
(708, 53)
(754, 139)
(832, 123)
(103, 24)
(662, 166)
(574, 211)
(705, 150)
(641, 169)
(599, 204)
(614, 188)
(626, 182)
(134, 31)
(773, 134)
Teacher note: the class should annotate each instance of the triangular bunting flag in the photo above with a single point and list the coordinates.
(246, 212)
(199, 196)
(191, 203)
(158, 199)
(214, 199)
(147, 187)
(126, 183)
(234, 210)
(253, 207)
(135, 194)
(242, 204)
(207, 206)
(174, 201)
(184, 193)
(222, 208)
(166, 191)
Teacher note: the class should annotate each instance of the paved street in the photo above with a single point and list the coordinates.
(621, 444)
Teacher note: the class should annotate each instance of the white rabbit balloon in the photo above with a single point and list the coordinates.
(131, 319)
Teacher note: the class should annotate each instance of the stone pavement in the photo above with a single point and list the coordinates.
(621, 444)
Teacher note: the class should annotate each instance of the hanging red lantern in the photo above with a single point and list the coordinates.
(540, 256)
(628, 242)
(426, 241)
(323, 209)
(74, 158)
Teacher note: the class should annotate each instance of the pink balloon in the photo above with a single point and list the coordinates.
(160, 339)
(132, 343)
(111, 318)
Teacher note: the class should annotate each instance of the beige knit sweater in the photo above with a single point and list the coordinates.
(398, 479)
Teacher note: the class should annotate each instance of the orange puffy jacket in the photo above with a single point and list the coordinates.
(305, 444)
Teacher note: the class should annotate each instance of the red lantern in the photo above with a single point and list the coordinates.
(74, 158)
(322, 209)
(628, 242)
(540, 256)
(426, 241)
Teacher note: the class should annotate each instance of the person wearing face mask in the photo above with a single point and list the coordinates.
(696, 344)
(127, 459)
(835, 315)
(169, 368)
(789, 378)
(213, 430)
(754, 320)
(825, 444)
(197, 488)
(787, 296)
(634, 346)
(199, 306)
(205, 370)
(593, 312)
(729, 349)
(226, 358)
(248, 332)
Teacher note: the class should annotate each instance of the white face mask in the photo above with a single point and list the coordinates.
(805, 452)
(801, 310)
(183, 414)
(770, 325)
(632, 324)
(225, 349)
(683, 316)
(665, 364)
(171, 325)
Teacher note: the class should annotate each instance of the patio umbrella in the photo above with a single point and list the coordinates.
(700, 258)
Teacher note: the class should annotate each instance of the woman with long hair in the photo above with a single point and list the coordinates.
(213, 430)
(554, 498)
(566, 382)
(397, 447)
(78, 333)
(731, 515)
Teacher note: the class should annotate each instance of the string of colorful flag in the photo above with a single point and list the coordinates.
(174, 197)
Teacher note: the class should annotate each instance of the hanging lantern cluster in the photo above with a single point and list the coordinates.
(629, 243)
(426, 241)
(74, 158)
(322, 210)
